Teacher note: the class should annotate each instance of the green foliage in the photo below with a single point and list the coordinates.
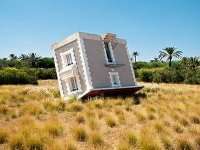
(49, 73)
(26, 69)
(25, 75)
(146, 75)
(169, 53)
(185, 71)
(152, 64)
(16, 76)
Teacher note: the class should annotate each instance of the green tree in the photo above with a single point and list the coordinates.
(191, 63)
(46, 62)
(134, 55)
(12, 57)
(169, 53)
(33, 60)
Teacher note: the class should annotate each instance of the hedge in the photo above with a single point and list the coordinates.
(16, 76)
(169, 75)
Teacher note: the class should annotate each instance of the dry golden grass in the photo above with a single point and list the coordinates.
(35, 118)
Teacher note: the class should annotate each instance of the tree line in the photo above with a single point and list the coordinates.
(31, 60)
(26, 69)
(165, 68)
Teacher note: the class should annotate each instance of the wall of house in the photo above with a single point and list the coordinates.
(58, 52)
(96, 61)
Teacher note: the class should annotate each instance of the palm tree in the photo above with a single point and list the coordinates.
(12, 57)
(169, 53)
(24, 57)
(33, 59)
(191, 62)
(134, 54)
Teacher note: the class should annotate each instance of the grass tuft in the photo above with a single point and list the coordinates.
(195, 120)
(17, 142)
(70, 146)
(3, 136)
(110, 121)
(184, 144)
(76, 107)
(96, 138)
(80, 133)
(80, 118)
(54, 128)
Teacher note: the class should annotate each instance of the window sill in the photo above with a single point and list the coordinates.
(113, 65)
(67, 68)
(74, 92)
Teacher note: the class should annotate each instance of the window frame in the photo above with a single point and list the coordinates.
(65, 66)
(111, 79)
(75, 84)
(111, 52)
(68, 84)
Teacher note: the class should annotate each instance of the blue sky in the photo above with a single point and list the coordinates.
(147, 25)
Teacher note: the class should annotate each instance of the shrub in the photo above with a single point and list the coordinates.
(177, 73)
(49, 73)
(16, 76)
(146, 75)
(192, 77)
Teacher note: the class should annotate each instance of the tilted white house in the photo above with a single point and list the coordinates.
(89, 65)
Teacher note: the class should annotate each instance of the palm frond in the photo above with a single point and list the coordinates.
(162, 54)
(177, 54)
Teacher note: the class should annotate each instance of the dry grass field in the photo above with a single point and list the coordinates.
(35, 118)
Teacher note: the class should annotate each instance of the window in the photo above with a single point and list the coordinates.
(108, 51)
(73, 84)
(69, 59)
(114, 76)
